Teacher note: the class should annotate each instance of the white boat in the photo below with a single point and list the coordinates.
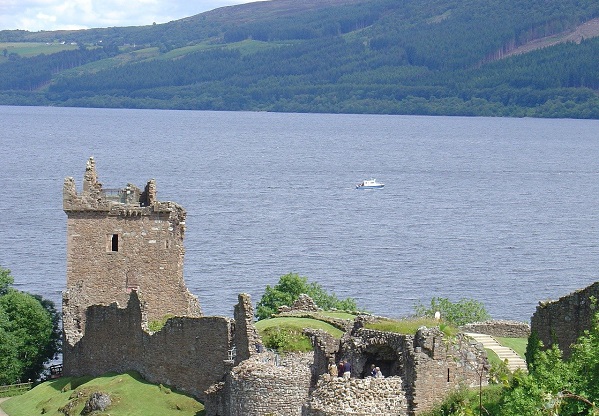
(370, 184)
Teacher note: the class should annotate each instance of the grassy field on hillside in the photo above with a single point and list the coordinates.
(130, 395)
(28, 49)
(338, 315)
(517, 344)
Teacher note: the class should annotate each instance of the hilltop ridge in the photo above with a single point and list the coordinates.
(492, 58)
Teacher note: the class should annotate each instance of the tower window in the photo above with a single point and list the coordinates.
(112, 243)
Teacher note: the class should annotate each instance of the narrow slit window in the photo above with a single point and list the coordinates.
(448, 375)
(113, 243)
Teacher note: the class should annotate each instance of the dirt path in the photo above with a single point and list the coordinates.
(2, 413)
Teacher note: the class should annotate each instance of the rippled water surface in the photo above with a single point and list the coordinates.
(505, 211)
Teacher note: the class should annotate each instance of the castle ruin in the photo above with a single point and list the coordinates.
(125, 269)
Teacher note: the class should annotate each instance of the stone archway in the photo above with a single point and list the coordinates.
(382, 356)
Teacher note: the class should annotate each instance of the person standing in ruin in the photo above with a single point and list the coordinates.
(333, 372)
(346, 369)
(340, 368)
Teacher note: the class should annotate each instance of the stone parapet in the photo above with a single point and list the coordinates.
(507, 329)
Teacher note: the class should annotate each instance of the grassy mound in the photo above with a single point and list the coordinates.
(130, 395)
(285, 334)
(409, 326)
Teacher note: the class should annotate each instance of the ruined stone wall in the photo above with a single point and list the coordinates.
(188, 353)
(439, 364)
(508, 329)
(120, 241)
(247, 340)
(336, 396)
(258, 387)
(383, 349)
(429, 363)
(563, 321)
(325, 348)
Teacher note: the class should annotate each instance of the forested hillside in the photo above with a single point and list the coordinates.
(352, 56)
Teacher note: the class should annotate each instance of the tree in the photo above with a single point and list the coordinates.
(460, 313)
(29, 332)
(289, 288)
(5, 280)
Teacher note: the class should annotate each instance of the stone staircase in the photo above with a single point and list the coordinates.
(514, 361)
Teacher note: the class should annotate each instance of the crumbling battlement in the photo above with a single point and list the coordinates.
(419, 371)
(119, 241)
(430, 363)
(127, 201)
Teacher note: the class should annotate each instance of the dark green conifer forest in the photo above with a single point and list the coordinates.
(439, 57)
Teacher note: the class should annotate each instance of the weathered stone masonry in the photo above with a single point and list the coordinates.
(119, 241)
(125, 268)
(188, 353)
(563, 321)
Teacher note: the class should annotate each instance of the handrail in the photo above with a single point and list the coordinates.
(15, 389)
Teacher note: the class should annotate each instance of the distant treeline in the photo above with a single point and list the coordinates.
(378, 56)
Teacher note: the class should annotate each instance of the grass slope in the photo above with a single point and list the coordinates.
(409, 326)
(299, 324)
(517, 344)
(130, 394)
(28, 49)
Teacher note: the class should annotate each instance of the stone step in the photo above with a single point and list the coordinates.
(514, 361)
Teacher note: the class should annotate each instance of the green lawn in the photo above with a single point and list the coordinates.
(517, 344)
(410, 326)
(130, 395)
(286, 334)
(297, 323)
(338, 315)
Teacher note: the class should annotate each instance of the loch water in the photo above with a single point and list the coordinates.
(502, 210)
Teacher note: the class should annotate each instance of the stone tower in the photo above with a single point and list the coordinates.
(118, 241)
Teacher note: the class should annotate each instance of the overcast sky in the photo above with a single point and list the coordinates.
(34, 15)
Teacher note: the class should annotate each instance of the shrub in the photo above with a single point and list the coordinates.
(460, 313)
(289, 288)
(286, 339)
